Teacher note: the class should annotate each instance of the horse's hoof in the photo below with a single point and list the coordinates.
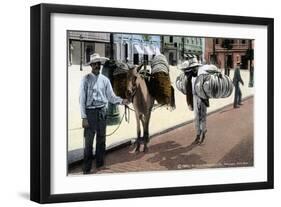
(201, 142)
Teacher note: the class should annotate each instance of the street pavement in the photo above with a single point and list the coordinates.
(229, 143)
(161, 119)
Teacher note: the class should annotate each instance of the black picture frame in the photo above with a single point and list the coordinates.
(41, 102)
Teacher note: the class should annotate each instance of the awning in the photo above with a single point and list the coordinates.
(148, 51)
(157, 51)
(189, 56)
(138, 50)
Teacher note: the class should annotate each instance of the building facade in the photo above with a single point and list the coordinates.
(129, 48)
(215, 52)
(136, 49)
(132, 48)
(83, 44)
(175, 48)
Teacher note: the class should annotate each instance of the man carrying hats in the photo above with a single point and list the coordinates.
(193, 68)
(95, 93)
(236, 79)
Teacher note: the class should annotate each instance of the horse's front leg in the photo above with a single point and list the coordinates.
(138, 133)
(146, 132)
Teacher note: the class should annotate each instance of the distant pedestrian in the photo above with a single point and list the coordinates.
(236, 80)
(95, 93)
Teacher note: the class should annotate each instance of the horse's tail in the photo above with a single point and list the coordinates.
(172, 100)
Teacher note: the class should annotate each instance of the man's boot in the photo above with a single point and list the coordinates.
(197, 139)
(203, 137)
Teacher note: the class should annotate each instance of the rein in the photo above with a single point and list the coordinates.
(126, 114)
(116, 127)
(134, 90)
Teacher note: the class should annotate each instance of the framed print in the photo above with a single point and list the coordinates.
(132, 103)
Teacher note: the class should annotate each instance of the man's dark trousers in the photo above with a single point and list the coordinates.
(97, 126)
(237, 95)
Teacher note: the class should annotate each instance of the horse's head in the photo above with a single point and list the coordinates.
(132, 75)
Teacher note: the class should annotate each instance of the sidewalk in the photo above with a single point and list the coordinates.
(229, 143)
(161, 119)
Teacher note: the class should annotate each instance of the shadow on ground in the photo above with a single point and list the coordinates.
(234, 158)
(171, 155)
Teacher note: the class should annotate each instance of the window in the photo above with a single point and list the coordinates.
(107, 49)
(171, 38)
(136, 59)
(126, 52)
(217, 41)
(243, 41)
(213, 59)
(145, 59)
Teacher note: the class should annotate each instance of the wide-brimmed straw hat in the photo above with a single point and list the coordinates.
(94, 58)
(188, 64)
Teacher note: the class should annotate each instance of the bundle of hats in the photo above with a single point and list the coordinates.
(159, 64)
(120, 78)
(160, 83)
(213, 84)
(184, 85)
(181, 83)
(190, 69)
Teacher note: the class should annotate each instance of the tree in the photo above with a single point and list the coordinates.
(146, 37)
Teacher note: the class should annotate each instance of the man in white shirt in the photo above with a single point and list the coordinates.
(95, 93)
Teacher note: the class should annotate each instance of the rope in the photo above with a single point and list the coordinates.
(116, 127)
(126, 114)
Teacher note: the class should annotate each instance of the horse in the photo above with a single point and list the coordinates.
(138, 94)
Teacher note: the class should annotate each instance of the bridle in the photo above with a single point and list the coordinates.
(134, 90)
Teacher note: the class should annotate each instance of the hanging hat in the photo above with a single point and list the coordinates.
(188, 64)
(193, 62)
(184, 65)
(94, 58)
